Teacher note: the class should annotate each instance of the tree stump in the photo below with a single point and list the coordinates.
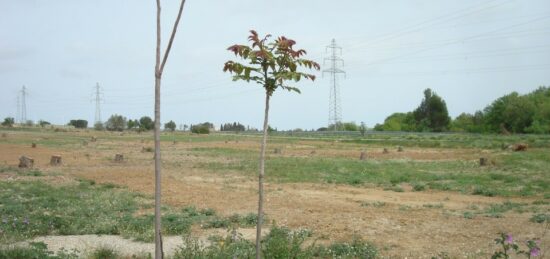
(313, 152)
(55, 160)
(386, 151)
(119, 158)
(483, 161)
(93, 139)
(520, 147)
(33, 145)
(363, 155)
(26, 162)
(277, 151)
(174, 142)
(399, 149)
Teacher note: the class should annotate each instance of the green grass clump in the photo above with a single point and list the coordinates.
(37, 250)
(281, 242)
(104, 253)
(468, 215)
(417, 187)
(540, 218)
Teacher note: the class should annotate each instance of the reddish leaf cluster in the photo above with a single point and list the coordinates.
(272, 63)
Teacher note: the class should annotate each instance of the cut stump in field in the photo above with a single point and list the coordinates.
(55, 160)
(26, 162)
(277, 151)
(385, 151)
(33, 145)
(313, 152)
(363, 155)
(93, 139)
(483, 161)
(174, 142)
(399, 149)
(520, 147)
(119, 158)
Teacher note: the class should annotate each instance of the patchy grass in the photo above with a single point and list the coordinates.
(35, 250)
(32, 208)
(518, 173)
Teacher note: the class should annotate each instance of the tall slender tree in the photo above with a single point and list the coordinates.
(159, 68)
(272, 65)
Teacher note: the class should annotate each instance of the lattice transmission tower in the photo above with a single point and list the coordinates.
(97, 99)
(335, 107)
(23, 109)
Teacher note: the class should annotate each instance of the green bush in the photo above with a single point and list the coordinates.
(540, 218)
(417, 187)
(200, 129)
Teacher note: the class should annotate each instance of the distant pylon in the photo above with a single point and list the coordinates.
(23, 116)
(97, 104)
(335, 108)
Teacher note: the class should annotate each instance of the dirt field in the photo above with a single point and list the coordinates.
(402, 224)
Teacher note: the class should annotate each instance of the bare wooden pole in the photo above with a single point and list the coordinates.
(159, 68)
(261, 179)
(158, 75)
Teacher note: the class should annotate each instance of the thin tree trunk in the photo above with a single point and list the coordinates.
(158, 75)
(159, 68)
(261, 179)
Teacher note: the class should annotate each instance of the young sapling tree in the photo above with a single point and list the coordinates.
(272, 65)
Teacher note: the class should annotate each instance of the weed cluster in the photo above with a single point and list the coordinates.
(281, 242)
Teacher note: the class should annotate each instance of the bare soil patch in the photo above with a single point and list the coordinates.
(401, 227)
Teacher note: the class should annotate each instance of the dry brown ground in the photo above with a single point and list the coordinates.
(401, 228)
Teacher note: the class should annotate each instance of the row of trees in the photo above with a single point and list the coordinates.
(235, 126)
(120, 123)
(512, 113)
(10, 121)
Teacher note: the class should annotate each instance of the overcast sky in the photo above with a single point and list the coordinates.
(468, 52)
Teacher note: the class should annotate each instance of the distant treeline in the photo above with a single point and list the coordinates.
(235, 126)
(512, 113)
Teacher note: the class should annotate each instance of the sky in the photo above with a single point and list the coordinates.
(469, 52)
